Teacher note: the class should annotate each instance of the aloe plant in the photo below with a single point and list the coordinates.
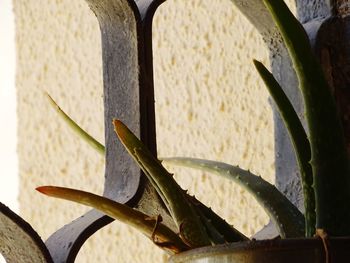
(321, 155)
(322, 158)
(329, 160)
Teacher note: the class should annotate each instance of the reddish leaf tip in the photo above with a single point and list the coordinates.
(119, 128)
(43, 189)
(117, 123)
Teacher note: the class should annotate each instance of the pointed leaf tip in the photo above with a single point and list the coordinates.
(44, 189)
(257, 64)
(117, 123)
(127, 138)
(39, 189)
(75, 127)
(120, 128)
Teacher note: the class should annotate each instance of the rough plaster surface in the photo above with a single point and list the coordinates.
(209, 102)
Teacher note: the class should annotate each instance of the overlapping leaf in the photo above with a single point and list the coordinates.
(287, 218)
(148, 225)
(181, 210)
(300, 143)
(330, 163)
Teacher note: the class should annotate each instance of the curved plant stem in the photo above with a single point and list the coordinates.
(300, 143)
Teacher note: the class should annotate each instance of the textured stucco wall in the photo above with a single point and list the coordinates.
(209, 102)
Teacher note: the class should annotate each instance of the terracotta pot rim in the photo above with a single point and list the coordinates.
(264, 245)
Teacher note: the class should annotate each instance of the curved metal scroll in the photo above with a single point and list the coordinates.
(19, 241)
(126, 33)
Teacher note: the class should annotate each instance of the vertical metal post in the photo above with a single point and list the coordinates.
(327, 23)
(126, 34)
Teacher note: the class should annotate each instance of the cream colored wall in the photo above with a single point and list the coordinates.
(209, 102)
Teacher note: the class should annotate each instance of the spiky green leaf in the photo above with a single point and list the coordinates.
(185, 217)
(299, 140)
(216, 224)
(287, 218)
(330, 164)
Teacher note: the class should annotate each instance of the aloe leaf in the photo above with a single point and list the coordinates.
(121, 212)
(185, 217)
(329, 161)
(131, 142)
(215, 236)
(299, 140)
(286, 217)
(76, 128)
(182, 211)
(217, 224)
